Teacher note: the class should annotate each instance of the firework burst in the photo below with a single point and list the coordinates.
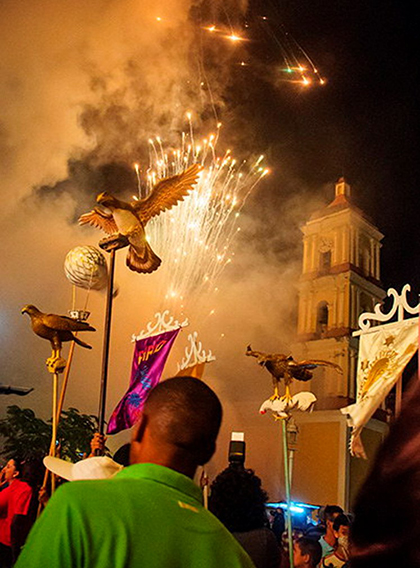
(195, 238)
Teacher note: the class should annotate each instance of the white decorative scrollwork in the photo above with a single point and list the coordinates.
(399, 306)
(194, 353)
(164, 322)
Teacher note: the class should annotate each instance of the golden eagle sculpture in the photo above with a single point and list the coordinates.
(285, 367)
(128, 219)
(57, 329)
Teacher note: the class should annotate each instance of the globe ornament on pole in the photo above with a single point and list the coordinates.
(86, 267)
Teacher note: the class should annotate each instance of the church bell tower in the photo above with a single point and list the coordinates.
(339, 281)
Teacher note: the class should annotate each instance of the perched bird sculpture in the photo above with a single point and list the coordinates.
(285, 367)
(128, 219)
(57, 329)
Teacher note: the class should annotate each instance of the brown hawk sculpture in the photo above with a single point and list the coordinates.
(57, 329)
(285, 367)
(128, 219)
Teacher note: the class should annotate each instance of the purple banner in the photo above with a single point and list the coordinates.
(149, 360)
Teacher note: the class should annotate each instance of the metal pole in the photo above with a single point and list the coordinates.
(65, 380)
(204, 482)
(105, 350)
(398, 396)
(287, 487)
(54, 425)
(291, 456)
(58, 415)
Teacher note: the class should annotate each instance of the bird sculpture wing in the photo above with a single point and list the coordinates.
(100, 220)
(313, 363)
(64, 323)
(166, 193)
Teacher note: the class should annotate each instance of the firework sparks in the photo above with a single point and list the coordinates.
(195, 238)
(235, 37)
(297, 68)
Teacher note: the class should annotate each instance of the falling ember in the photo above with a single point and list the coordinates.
(195, 238)
(234, 37)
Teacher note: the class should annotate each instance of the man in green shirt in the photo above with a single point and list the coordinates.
(150, 514)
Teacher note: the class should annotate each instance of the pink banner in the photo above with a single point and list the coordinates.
(149, 360)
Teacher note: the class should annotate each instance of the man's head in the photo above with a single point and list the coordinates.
(178, 426)
(307, 552)
(341, 528)
(331, 512)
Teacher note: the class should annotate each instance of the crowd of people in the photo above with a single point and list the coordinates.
(238, 500)
(150, 513)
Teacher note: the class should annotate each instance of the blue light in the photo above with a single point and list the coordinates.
(293, 508)
(306, 506)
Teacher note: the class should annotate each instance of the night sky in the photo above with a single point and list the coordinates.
(362, 124)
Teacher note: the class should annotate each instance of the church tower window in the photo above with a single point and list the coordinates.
(325, 259)
(322, 318)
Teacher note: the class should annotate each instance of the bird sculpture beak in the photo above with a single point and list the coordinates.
(102, 197)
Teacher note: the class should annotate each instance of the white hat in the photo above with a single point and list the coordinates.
(98, 467)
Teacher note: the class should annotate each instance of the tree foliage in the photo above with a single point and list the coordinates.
(29, 437)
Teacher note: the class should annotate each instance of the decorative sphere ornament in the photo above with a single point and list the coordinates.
(86, 267)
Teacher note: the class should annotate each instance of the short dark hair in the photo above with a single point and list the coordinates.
(311, 547)
(238, 500)
(32, 472)
(185, 413)
(122, 455)
(19, 464)
(341, 520)
(331, 511)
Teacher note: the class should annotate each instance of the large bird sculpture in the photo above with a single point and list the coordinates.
(128, 219)
(57, 329)
(285, 367)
